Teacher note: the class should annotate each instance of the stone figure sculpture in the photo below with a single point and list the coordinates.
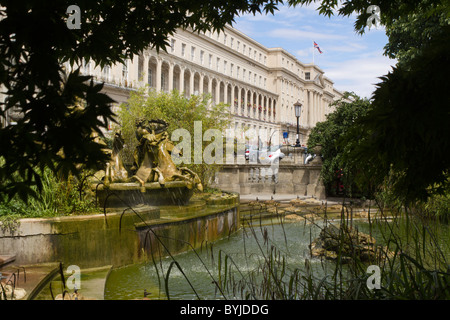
(153, 157)
(115, 170)
(159, 180)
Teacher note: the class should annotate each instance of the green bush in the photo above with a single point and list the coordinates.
(57, 197)
(180, 113)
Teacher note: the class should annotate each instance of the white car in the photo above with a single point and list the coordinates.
(272, 155)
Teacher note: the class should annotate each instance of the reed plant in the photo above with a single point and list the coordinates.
(417, 268)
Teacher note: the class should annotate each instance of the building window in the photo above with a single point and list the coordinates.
(218, 64)
(225, 39)
(172, 45)
(243, 48)
(237, 72)
(231, 43)
(192, 53)
(238, 45)
(231, 69)
(307, 76)
(125, 70)
(183, 49)
(210, 60)
(225, 67)
(249, 76)
(202, 53)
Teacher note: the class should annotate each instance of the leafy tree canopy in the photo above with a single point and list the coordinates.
(330, 133)
(180, 113)
(406, 131)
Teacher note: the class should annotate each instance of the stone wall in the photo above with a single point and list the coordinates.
(290, 176)
(118, 238)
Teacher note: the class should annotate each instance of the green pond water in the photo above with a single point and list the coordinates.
(245, 247)
(245, 250)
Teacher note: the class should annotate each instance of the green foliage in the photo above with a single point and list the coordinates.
(406, 131)
(180, 113)
(390, 10)
(57, 197)
(330, 135)
(408, 34)
(438, 207)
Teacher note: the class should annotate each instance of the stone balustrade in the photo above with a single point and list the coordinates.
(290, 176)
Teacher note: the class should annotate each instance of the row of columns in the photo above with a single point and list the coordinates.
(316, 107)
(227, 97)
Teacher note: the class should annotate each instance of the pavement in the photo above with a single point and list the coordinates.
(35, 280)
(283, 197)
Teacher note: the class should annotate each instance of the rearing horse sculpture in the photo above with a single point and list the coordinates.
(115, 170)
(153, 157)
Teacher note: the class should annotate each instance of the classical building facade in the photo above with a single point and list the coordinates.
(260, 84)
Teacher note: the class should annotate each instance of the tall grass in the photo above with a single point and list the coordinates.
(418, 267)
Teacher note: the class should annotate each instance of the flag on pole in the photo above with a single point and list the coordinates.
(317, 47)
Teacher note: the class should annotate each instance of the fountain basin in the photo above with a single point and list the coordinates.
(129, 194)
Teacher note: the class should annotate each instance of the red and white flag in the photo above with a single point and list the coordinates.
(317, 47)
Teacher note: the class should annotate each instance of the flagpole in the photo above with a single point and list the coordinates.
(313, 52)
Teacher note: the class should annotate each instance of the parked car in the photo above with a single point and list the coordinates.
(275, 154)
(251, 153)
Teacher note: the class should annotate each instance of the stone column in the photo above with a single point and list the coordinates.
(158, 74)
(200, 86)
(245, 103)
(181, 79)
(225, 93)
(217, 92)
(239, 104)
(171, 67)
(191, 83)
(145, 71)
(210, 91)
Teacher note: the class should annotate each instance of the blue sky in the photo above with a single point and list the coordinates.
(352, 61)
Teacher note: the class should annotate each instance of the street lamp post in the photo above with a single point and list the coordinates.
(298, 112)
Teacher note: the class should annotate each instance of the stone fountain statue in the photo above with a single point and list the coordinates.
(153, 157)
(153, 172)
(115, 170)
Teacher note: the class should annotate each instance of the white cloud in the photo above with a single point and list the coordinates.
(359, 75)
